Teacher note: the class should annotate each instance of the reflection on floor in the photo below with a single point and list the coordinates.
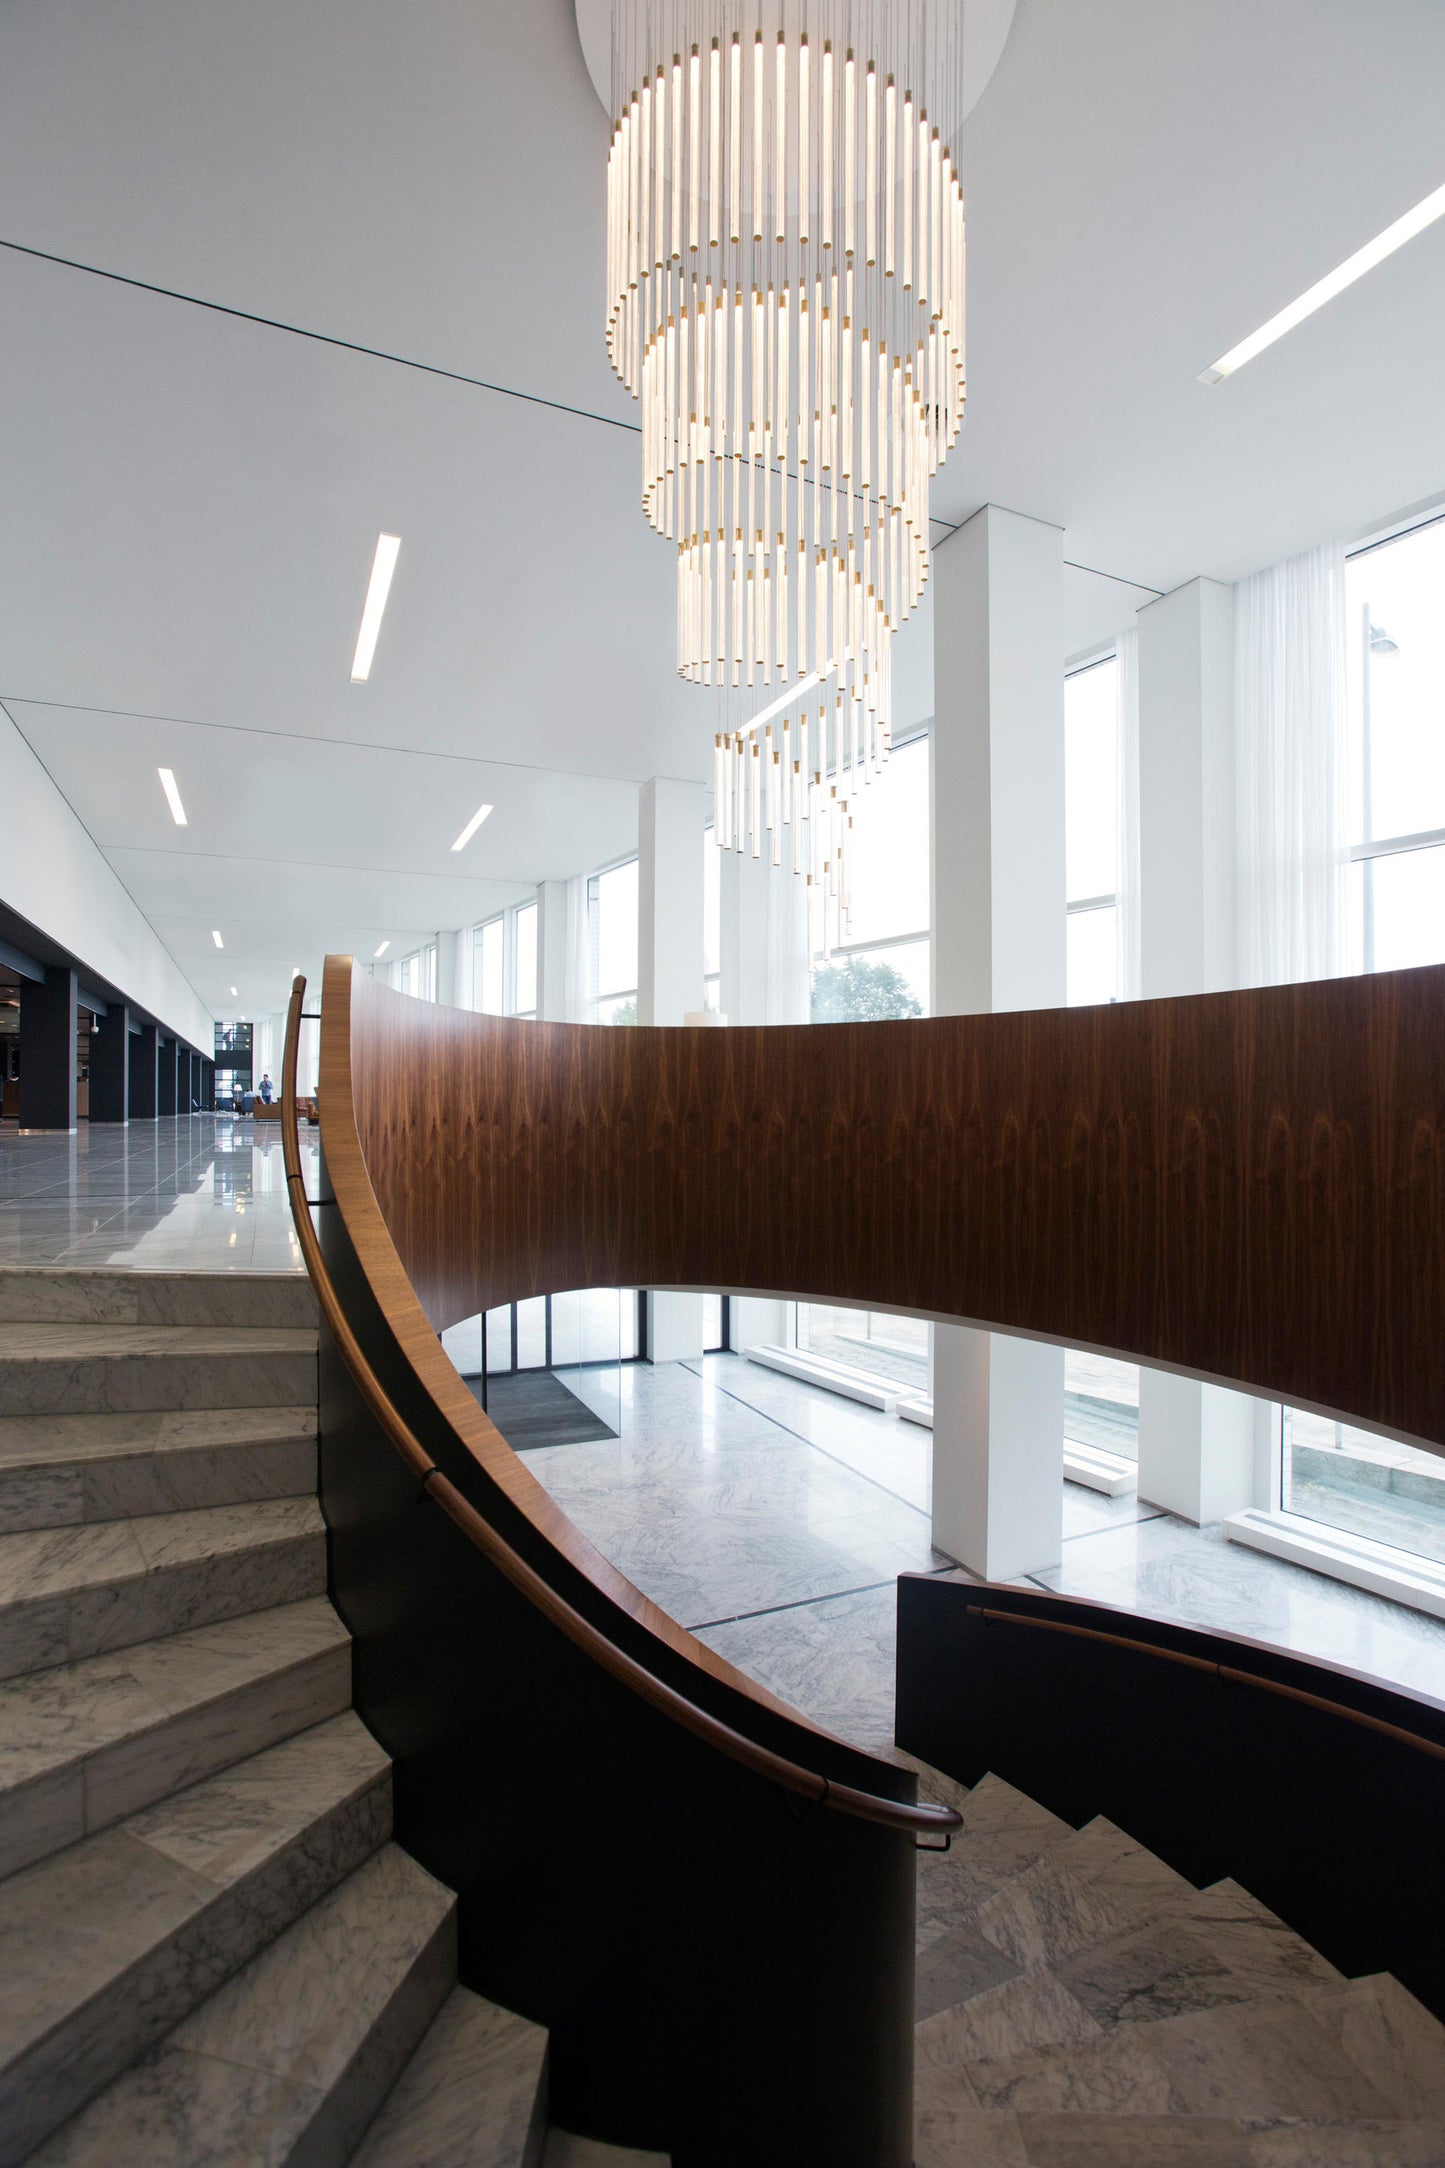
(191, 1193)
(774, 1518)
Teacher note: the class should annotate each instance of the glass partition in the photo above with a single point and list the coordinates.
(1370, 1486)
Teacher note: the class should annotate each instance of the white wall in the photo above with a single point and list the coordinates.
(53, 875)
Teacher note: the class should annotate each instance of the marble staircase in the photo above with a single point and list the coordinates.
(210, 1949)
(1080, 2005)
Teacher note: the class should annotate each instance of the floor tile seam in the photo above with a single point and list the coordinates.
(789, 1431)
(1112, 1528)
(804, 1603)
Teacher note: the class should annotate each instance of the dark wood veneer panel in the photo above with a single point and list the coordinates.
(1249, 1186)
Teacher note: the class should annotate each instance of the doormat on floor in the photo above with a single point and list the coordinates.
(532, 1408)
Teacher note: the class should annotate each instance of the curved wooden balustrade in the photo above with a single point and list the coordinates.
(1247, 1186)
(790, 1776)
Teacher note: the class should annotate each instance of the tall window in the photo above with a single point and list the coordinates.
(880, 969)
(612, 927)
(504, 963)
(524, 951)
(489, 966)
(1395, 599)
(1091, 753)
(1351, 1480)
(417, 974)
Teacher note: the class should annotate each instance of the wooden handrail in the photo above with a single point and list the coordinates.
(1228, 1672)
(790, 1776)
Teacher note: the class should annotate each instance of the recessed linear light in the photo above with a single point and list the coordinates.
(217, 938)
(381, 951)
(1334, 282)
(378, 588)
(173, 796)
(471, 828)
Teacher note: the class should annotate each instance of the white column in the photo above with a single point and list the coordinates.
(998, 943)
(1196, 1441)
(552, 993)
(671, 817)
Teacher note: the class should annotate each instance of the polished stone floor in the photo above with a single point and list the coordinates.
(197, 1192)
(772, 1517)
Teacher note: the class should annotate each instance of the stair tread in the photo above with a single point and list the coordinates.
(1004, 1834)
(303, 2041)
(472, 2095)
(44, 1440)
(72, 1592)
(72, 1340)
(85, 1743)
(62, 1471)
(108, 1944)
(48, 1561)
(1097, 1883)
(951, 2130)
(1275, 2056)
(563, 2150)
(129, 1295)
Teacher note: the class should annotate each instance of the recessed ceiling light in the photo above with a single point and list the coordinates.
(234, 995)
(382, 950)
(378, 588)
(217, 938)
(173, 796)
(471, 828)
(1334, 282)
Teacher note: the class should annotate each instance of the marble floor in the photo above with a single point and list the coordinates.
(770, 1516)
(773, 1519)
(197, 1192)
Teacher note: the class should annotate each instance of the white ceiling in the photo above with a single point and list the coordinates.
(189, 501)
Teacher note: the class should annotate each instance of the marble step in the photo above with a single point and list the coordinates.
(60, 1470)
(1325, 2055)
(109, 1944)
(68, 1593)
(70, 1369)
(563, 2150)
(84, 1744)
(474, 2095)
(1096, 1884)
(1004, 1834)
(951, 2131)
(60, 1294)
(288, 2061)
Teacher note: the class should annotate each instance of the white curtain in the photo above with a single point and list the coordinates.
(788, 991)
(764, 942)
(578, 991)
(1126, 825)
(1290, 706)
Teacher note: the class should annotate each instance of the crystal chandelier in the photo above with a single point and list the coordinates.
(785, 274)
